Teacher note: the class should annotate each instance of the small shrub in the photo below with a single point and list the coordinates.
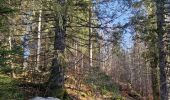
(5, 69)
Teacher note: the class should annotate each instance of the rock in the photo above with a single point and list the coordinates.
(41, 98)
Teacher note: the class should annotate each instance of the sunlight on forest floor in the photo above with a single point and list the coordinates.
(88, 90)
(10, 91)
(96, 86)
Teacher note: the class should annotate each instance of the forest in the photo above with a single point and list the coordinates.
(84, 49)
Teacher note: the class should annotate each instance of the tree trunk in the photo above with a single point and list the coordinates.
(162, 57)
(56, 79)
(39, 41)
(167, 43)
(76, 55)
(155, 80)
(11, 62)
(90, 40)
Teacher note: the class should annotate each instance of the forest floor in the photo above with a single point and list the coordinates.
(96, 85)
(9, 89)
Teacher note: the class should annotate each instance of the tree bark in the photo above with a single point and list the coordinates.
(155, 79)
(90, 39)
(56, 79)
(39, 40)
(162, 57)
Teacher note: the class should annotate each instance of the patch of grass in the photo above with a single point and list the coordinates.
(8, 89)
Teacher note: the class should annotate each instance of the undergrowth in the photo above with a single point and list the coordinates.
(103, 84)
(9, 89)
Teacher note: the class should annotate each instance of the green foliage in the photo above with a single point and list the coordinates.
(137, 4)
(5, 10)
(5, 69)
(146, 17)
(18, 70)
(8, 89)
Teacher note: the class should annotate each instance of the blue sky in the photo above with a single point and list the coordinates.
(121, 16)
